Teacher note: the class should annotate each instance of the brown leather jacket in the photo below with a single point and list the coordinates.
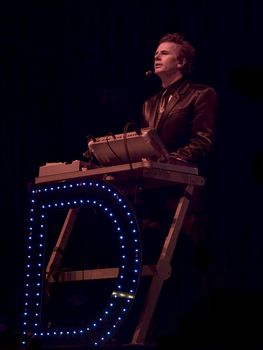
(187, 125)
(187, 129)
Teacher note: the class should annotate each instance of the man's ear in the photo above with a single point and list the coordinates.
(181, 62)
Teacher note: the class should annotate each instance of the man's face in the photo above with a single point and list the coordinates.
(166, 59)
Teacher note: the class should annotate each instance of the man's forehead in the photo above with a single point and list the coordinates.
(168, 46)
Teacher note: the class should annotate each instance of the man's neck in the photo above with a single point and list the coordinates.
(167, 81)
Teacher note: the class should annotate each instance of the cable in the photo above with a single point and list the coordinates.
(112, 150)
(125, 131)
(88, 155)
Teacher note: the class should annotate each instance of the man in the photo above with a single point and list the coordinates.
(186, 124)
(184, 115)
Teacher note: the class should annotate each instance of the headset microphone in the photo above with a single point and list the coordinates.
(149, 73)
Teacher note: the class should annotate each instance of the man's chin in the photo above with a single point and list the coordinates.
(158, 72)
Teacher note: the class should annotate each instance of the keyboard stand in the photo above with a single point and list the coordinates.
(159, 272)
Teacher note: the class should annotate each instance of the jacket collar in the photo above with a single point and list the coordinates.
(179, 86)
(177, 89)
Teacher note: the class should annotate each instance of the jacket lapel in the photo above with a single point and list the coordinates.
(177, 95)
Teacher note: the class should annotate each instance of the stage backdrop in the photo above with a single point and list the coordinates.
(69, 69)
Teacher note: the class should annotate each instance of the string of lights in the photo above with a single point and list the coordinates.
(114, 205)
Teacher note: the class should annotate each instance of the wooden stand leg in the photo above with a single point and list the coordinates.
(58, 250)
(163, 268)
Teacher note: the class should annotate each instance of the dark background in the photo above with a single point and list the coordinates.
(73, 68)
